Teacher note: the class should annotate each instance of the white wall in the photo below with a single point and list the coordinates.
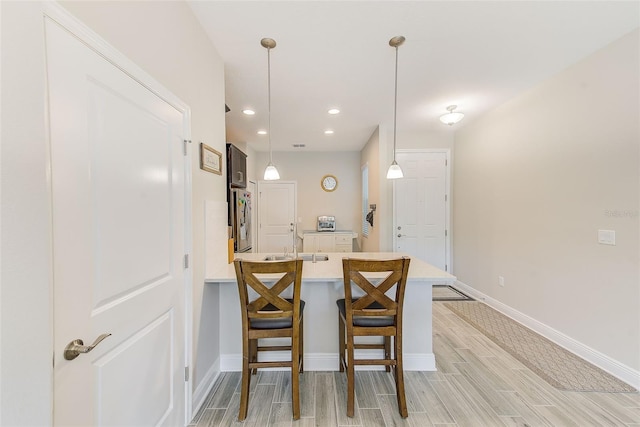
(174, 49)
(535, 180)
(25, 349)
(442, 138)
(370, 156)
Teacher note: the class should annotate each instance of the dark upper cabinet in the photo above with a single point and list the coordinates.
(236, 167)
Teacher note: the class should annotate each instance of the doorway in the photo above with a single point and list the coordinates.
(422, 206)
(276, 216)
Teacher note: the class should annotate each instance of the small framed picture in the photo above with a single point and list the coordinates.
(210, 159)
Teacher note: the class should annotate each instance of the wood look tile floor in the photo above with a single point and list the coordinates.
(477, 384)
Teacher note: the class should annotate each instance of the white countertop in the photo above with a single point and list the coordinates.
(331, 270)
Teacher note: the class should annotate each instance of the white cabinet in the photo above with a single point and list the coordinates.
(344, 242)
(335, 241)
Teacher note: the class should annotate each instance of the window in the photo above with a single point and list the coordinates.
(365, 200)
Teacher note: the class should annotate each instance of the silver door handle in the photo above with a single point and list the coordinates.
(399, 235)
(75, 347)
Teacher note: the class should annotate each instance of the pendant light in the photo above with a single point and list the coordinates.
(394, 171)
(452, 117)
(270, 173)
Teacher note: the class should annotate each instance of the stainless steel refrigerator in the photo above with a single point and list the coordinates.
(240, 201)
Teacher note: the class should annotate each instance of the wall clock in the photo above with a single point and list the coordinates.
(329, 183)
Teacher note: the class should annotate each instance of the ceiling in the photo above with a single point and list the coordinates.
(475, 54)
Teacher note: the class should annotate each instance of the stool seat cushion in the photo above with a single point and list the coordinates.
(366, 321)
(277, 322)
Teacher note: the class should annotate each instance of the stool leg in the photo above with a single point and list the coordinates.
(295, 372)
(246, 381)
(399, 370)
(253, 354)
(302, 345)
(340, 343)
(350, 377)
(387, 352)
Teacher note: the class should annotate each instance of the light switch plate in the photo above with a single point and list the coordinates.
(607, 237)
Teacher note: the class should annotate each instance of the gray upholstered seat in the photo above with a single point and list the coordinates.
(367, 321)
(276, 323)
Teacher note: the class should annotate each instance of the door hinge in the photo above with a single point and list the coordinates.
(446, 197)
(446, 233)
(184, 145)
(446, 162)
(186, 373)
(186, 261)
(446, 267)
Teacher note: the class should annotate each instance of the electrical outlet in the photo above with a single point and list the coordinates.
(607, 237)
(501, 281)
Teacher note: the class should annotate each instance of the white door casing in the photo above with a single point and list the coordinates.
(120, 203)
(421, 206)
(276, 213)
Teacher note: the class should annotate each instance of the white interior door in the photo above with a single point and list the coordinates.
(118, 202)
(276, 214)
(420, 210)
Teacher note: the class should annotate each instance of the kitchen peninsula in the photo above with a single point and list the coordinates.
(322, 285)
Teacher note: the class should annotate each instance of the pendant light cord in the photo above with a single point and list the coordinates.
(395, 108)
(269, 100)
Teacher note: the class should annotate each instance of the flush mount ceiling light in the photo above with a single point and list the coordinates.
(270, 173)
(334, 111)
(452, 117)
(394, 171)
(248, 112)
(262, 132)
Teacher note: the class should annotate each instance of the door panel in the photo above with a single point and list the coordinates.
(420, 207)
(118, 203)
(148, 347)
(276, 212)
(145, 192)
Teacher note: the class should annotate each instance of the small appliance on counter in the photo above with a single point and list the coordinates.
(326, 223)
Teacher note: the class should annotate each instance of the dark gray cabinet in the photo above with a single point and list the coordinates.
(236, 167)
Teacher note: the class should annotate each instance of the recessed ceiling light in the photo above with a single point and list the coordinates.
(333, 111)
(262, 132)
(248, 112)
(328, 132)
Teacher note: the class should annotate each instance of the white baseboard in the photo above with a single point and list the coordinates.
(329, 361)
(204, 388)
(615, 368)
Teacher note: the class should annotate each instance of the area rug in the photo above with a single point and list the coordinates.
(557, 366)
(448, 293)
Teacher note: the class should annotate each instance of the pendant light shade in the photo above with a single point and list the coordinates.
(394, 171)
(452, 117)
(270, 173)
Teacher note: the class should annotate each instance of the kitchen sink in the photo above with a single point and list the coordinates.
(277, 258)
(319, 257)
(305, 257)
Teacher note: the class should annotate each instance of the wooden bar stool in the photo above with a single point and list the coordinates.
(374, 314)
(270, 316)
